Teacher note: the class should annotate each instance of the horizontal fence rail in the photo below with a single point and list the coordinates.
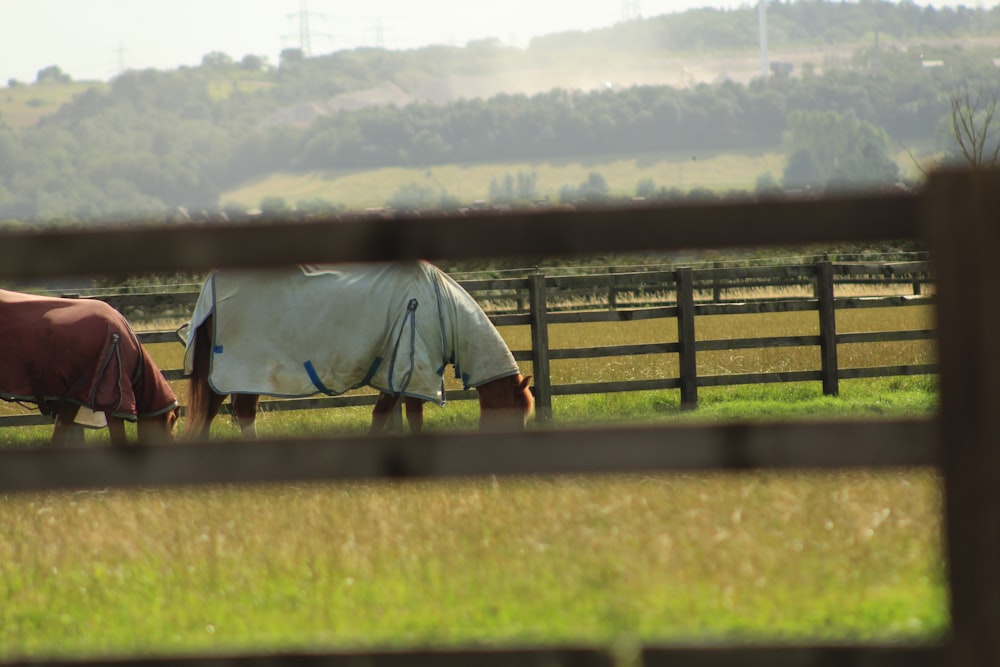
(127, 250)
(837, 444)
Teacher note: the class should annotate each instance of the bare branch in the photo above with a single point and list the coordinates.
(971, 122)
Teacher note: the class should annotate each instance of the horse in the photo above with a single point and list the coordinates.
(79, 361)
(311, 329)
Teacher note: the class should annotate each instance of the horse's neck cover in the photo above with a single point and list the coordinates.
(331, 328)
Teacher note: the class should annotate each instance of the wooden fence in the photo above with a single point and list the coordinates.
(682, 295)
(956, 215)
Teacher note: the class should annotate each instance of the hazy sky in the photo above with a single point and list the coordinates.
(95, 39)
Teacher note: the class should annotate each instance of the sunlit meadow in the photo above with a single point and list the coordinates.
(852, 555)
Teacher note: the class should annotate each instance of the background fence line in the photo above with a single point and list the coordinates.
(691, 293)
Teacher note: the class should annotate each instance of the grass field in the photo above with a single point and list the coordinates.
(601, 560)
(358, 190)
(24, 106)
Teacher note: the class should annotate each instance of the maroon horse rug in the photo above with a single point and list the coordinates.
(81, 353)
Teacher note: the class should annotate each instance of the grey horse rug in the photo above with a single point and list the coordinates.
(77, 350)
(332, 328)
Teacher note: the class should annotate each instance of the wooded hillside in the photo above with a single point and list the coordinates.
(149, 141)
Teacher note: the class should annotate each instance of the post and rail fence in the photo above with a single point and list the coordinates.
(681, 294)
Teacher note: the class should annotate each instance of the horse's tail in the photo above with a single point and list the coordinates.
(199, 417)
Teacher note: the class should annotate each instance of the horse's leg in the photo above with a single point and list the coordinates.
(385, 416)
(67, 433)
(245, 411)
(116, 429)
(415, 414)
(203, 402)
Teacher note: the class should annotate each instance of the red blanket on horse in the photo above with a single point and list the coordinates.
(77, 350)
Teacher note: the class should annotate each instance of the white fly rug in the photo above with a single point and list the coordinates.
(331, 328)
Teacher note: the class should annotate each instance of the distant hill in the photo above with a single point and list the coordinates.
(150, 141)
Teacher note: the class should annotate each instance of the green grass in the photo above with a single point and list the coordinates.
(605, 560)
(656, 558)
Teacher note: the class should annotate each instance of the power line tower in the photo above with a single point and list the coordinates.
(305, 32)
(120, 53)
(762, 29)
(630, 10)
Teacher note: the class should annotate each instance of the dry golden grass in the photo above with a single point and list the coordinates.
(660, 557)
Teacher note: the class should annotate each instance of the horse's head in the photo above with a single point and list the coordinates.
(158, 428)
(505, 404)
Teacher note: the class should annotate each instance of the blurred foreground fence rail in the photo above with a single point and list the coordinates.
(957, 215)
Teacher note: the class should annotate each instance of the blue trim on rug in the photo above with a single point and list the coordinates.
(318, 383)
(314, 378)
(371, 372)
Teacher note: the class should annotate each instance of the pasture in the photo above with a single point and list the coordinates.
(358, 190)
(602, 560)
(23, 106)
(361, 189)
(611, 559)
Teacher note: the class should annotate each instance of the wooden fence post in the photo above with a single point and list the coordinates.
(962, 214)
(827, 328)
(688, 361)
(542, 380)
(716, 287)
(612, 290)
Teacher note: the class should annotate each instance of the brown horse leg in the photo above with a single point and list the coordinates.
(415, 414)
(116, 429)
(66, 432)
(385, 416)
(245, 410)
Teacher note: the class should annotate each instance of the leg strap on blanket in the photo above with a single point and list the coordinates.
(409, 319)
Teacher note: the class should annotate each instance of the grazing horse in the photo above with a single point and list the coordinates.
(79, 361)
(328, 329)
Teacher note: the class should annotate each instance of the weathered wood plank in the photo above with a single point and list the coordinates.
(887, 371)
(756, 307)
(688, 352)
(886, 336)
(842, 303)
(111, 251)
(916, 655)
(756, 343)
(614, 351)
(621, 315)
(578, 388)
(962, 214)
(732, 446)
(542, 387)
(759, 378)
(542, 656)
(709, 655)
